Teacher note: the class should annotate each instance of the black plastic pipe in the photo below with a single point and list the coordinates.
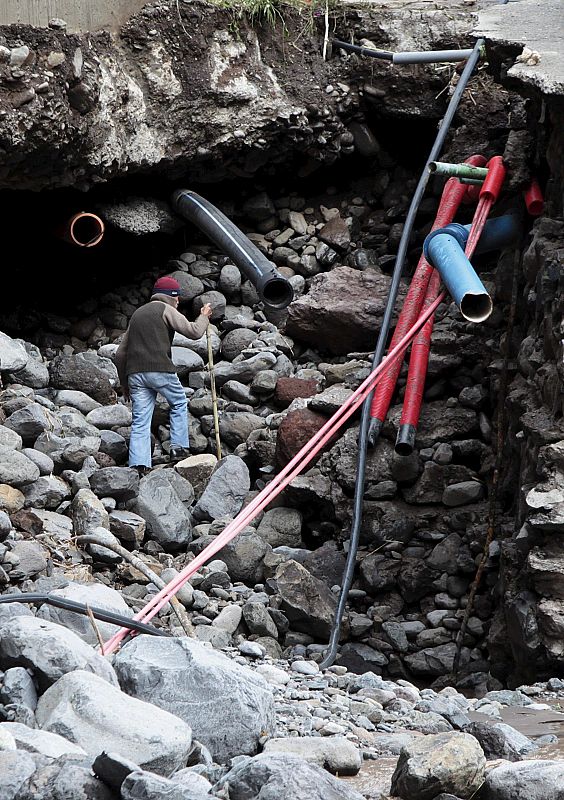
(363, 438)
(386, 55)
(273, 288)
(79, 608)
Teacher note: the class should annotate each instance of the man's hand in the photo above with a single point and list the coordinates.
(206, 310)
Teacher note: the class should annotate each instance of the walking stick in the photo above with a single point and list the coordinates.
(213, 394)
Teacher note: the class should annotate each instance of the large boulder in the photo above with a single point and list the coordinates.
(332, 319)
(49, 650)
(32, 420)
(244, 557)
(162, 508)
(226, 490)
(96, 716)
(334, 753)
(85, 372)
(227, 705)
(16, 469)
(12, 355)
(95, 595)
(308, 602)
(528, 780)
(282, 776)
(446, 762)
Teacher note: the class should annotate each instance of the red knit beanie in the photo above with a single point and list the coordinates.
(168, 286)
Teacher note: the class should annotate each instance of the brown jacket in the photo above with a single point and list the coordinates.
(146, 346)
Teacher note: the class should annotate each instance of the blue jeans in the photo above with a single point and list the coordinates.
(143, 389)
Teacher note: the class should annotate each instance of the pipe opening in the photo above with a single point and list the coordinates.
(476, 307)
(405, 441)
(86, 229)
(277, 292)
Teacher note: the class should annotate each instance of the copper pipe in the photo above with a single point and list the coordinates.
(84, 229)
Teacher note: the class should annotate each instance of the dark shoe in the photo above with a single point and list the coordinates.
(141, 469)
(179, 453)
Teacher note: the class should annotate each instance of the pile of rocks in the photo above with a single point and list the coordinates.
(173, 717)
(64, 432)
(245, 683)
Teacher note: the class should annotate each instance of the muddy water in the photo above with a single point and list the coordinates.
(375, 777)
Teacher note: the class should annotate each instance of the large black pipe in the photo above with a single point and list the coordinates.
(273, 288)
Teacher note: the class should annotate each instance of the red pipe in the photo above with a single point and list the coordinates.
(418, 361)
(279, 483)
(83, 229)
(452, 196)
(534, 199)
(489, 193)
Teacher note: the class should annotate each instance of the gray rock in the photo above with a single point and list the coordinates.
(104, 417)
(88, 513)
(226, 490)
(48, 492)
(227, 706)
(258, 620)
(335, 753)
(17, 687)
(168, 520)
(85, 372)
(307, 602)
(235, 427)
(281, 776)
(10, 439)
(282, 527)
(215, 299)
(186, 360)
(243, 371)
(501, 740)
(435, 660)
(147, 786)
(67, 451)
(76, 399)
(228, 618)
(15, 468)
(16, 768)
(127, 526)
(27, 559)
(114, 445)
(35, 741)
(234, 390)
(528, 780)
(96, 716)
(460, 494)
(236, 341)
(43, 462)
(92, 594)
(12, 355)
(32, 420)
(49, 650)
(230, 280)
(244, 557)
(199, 346)
(119, 482)
(448, 762)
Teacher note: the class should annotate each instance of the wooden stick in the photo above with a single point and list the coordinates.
(214, 395)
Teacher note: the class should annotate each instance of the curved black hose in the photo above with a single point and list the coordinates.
(273, 288)
(71, 605)
(379, 352)
(386, 55)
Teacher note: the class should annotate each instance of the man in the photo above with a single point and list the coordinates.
(145, 368)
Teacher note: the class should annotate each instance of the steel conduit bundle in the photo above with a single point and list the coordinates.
(273, 288)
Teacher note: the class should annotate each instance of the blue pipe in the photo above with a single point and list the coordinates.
(445, 251)
(444, 248)
(498, 233)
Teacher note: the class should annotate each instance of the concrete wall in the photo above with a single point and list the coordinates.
(80, 15)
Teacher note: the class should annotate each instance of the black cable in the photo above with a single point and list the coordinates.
(380, 347)
(387, 55)
(72, 605)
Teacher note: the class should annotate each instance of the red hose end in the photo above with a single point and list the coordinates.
(491, 187)
(534, 199)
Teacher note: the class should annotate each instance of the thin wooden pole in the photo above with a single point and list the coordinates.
(213, 394)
